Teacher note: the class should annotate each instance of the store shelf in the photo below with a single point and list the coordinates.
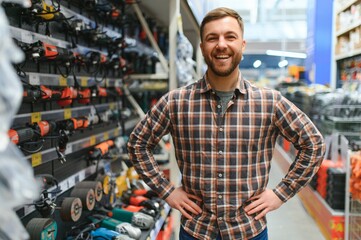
(158, 76)
(158, 225)
(49, 155)
(37, 79)
(63, 186)
(330, 221)
(346, 5)
(350, 53)
(348, 28)
(61, 114)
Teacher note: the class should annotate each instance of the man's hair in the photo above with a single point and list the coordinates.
(219, 13)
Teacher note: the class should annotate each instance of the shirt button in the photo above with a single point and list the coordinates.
(221, 129)
(220, 175)
(218, 106)
(220, 196)
(220, 152)
(220, 218)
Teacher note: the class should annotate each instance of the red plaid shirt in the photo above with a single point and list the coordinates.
(225, 158)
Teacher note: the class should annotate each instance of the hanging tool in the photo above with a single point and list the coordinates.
(101, 150)
(72, 124)
(42, 229)
(116, 225)
(21, 135)
(106, 234)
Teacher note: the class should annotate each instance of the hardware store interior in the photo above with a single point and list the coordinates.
(78, 76)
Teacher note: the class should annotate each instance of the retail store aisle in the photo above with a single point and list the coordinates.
(291, 220)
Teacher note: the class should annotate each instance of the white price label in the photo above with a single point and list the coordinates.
(71, 182)
(26, 37)
(81, 175)
(68, 150)
(34, 79)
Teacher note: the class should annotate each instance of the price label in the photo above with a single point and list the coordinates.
(93, 140)
(34, 79)
(63, 81)
(26, 37)
(35, 117)
(112, 105)
(71, 182)
(163, 214)
(36, 159)
(106, 136)
(116, 132)
(67, 113)
(83, 81)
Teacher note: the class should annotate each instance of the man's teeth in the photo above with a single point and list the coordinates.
(222, 56)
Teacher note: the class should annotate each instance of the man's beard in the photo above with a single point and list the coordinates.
(218, 71)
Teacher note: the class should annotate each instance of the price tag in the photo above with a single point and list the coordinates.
(106, 136)
(112, 105)
(71, 182)
(36, 159)
(67, 113)
(84, 81)
(26, 37)
(116, 132)
(163, 214)
(35, 117)
(63, 81)
(93, 140)
(34, 79)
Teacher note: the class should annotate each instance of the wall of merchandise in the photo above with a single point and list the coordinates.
(73, 123)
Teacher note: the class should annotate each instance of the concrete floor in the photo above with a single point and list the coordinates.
(290, 221)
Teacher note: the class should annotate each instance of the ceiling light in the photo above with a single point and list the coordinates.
(283, 63)
(257, 63)
(286, 54)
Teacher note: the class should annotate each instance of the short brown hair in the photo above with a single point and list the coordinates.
(219, 13)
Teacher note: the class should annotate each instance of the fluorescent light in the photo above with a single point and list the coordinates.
(286, 54)
(257, 63)
(283, 63)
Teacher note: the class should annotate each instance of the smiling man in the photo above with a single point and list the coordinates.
(224, 131)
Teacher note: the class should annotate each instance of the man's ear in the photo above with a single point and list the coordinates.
(243, 45)
(201, 46)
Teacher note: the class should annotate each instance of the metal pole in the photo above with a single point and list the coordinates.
(154, 44)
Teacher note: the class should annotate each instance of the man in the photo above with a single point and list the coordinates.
(224, 131)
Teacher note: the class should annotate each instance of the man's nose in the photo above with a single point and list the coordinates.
(221, 43)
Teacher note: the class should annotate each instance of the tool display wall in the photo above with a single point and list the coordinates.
(75, 116)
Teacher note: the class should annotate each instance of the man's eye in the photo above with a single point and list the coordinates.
(212, 39)
(231, 37)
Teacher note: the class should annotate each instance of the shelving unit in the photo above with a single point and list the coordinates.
(347, 62)
(331, 222)
(78, 167)
(347, 47)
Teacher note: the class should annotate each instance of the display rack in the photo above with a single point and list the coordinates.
(331, 222)
(352, 203)
(347, 32)
(78, 166)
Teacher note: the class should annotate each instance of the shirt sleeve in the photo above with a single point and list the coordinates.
(296, 127)
(145, 136)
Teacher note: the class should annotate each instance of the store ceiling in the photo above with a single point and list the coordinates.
(269, 24)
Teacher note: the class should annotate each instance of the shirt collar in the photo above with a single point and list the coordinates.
(205, 86)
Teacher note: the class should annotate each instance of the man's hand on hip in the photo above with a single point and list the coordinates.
(263, 203)
(183, 201)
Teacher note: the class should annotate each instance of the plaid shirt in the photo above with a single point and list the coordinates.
(225, 158)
